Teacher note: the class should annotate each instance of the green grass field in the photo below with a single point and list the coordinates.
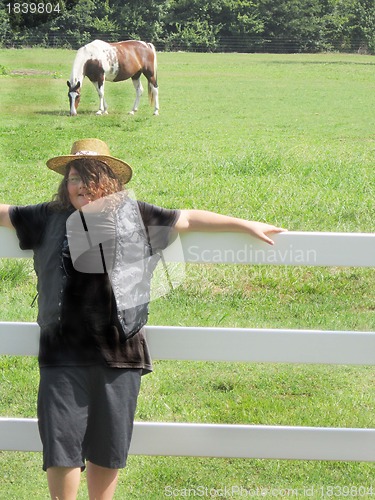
(288, 139)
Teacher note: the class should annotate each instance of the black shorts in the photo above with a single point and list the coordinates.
(87, 413)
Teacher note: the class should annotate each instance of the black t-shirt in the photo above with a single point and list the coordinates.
(77, 317)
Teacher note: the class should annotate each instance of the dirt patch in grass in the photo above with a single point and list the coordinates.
(30, 72)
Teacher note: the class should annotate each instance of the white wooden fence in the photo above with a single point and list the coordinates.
(233, 344)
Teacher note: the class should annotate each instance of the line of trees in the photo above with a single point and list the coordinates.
(195, 25)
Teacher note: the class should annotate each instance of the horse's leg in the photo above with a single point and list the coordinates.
(102, 103)
(153, 91)
(138, 92)
(154, 97)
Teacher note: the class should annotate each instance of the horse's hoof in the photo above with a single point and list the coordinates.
(99, 112)
(131, 113)
(156, 113)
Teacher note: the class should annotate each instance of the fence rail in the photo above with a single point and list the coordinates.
(234, 345)
(292, 249)
(226, 344)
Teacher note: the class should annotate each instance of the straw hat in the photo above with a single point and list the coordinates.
(89, 148)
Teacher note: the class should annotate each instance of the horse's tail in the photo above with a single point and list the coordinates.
(150, 93)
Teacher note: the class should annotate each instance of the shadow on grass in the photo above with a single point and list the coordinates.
(65, 113)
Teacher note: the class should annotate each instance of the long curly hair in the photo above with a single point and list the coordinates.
(96, 176)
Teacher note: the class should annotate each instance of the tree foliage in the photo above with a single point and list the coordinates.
(200, 25)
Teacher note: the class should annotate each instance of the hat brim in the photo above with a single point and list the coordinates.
(122, 169)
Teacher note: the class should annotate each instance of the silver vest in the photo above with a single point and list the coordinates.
(108, 236)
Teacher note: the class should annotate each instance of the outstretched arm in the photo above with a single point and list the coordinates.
(202, 220)
(4, 216)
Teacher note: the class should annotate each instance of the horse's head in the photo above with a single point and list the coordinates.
(74, 95)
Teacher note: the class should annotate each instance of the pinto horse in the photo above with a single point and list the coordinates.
(115, 62)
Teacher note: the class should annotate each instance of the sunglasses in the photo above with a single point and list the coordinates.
(74, 180)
